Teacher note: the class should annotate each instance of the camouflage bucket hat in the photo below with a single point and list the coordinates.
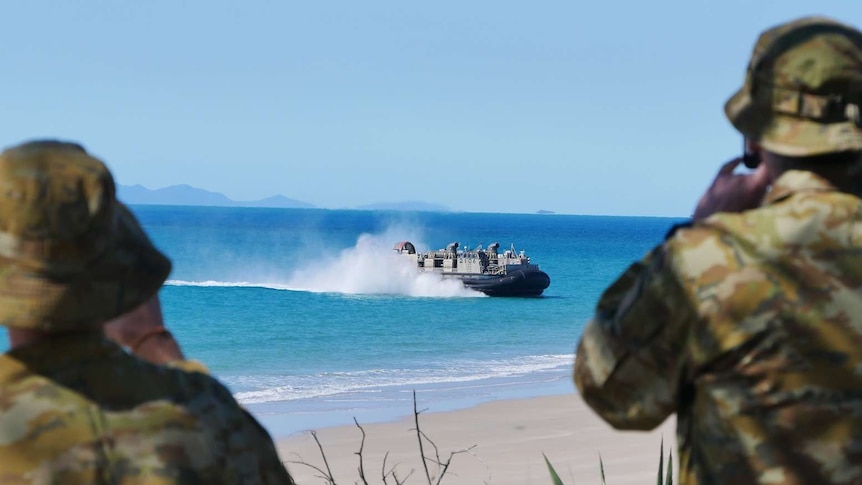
(803, 89)
(71, 256)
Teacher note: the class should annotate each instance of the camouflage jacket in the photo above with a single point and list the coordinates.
(79, 410)
(748, 327)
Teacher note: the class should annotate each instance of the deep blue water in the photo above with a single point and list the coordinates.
(309, 318)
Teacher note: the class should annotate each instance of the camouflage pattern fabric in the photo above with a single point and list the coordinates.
(749, 327)
(79, 410)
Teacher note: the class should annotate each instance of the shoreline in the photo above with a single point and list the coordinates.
(284, 419)
(510, 437)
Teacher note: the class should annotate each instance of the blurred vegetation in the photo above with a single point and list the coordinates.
(665, 477)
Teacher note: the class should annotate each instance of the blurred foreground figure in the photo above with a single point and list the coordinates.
(747, 322)
(75, 408)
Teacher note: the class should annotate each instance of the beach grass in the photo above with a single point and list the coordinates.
(664, 477)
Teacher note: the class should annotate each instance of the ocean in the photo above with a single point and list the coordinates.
(312, 320)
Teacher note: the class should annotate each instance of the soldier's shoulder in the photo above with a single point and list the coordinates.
(729, 228)
(688, 235)
(191, 418)
(764, 231)
(711, 243)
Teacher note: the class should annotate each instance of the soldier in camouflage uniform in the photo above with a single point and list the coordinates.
(75, 408)
(747, 322)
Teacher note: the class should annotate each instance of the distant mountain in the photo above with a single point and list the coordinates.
(414, 206)
(543, 211)
(188, 195)
(280, 201)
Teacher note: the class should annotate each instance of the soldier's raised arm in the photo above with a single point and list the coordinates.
(630, 358)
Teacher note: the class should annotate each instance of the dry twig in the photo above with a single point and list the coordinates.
(326, 475)
(419, 438)
(361, 447)
(383, 469)
(442, 466)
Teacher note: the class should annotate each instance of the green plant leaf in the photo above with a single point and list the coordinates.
(661, 462)
(602, 469)
(669, 477)
(555, 479)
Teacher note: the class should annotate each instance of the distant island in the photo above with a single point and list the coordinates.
(543, 211)
(188, 195)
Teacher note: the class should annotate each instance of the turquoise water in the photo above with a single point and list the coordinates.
(311, 319)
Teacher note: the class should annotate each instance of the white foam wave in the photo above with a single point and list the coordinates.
(260, 389)
(228, 284)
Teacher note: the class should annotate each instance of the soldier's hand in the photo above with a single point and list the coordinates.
(733, 192)
(143, 332)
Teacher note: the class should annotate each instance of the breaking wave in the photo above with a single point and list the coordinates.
(255, 389)
(227, 284)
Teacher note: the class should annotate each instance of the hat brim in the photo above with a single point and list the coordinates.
(789, 135)
(127, 274)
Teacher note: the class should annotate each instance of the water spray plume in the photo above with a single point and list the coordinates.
(370, 267)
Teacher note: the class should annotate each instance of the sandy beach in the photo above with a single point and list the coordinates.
(507, 438)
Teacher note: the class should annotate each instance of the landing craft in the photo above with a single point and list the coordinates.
(487, 271)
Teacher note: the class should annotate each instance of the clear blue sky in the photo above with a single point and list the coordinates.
(581, 107)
